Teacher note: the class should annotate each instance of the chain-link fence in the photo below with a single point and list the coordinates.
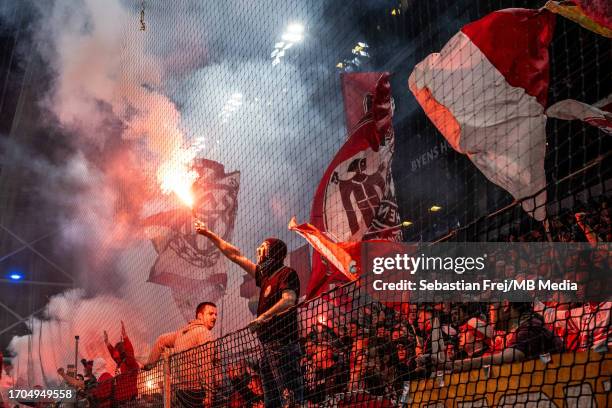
(494, 125)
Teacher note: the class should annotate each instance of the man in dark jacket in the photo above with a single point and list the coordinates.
(276, 324)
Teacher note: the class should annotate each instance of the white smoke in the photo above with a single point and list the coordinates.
(130, 99)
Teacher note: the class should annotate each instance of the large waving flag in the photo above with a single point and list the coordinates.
(486, 93)
(355, 199)
(188, 263)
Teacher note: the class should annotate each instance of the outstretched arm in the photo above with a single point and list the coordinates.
(164, 341)
(109, 346)
(231, 252)
(509, 355)
(77, 384)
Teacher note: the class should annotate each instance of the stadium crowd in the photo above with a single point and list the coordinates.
(372, 348)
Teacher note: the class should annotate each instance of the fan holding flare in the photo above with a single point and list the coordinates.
(187, 263)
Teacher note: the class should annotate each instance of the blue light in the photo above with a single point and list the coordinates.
(16, 276)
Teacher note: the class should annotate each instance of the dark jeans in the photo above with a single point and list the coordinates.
(281, 374)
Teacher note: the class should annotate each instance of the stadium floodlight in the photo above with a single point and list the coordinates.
(295, 28)
(435, 208)
(292, 35)
(361, 54)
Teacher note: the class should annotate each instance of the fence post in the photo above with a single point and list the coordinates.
(167, 391)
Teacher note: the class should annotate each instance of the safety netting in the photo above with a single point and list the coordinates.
(396, 121)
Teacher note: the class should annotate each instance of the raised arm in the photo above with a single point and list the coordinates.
(73, 382)
(164, 341)
(231, 252)
(109, 346)
(127, 344)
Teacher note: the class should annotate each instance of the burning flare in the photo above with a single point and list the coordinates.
(177, 175)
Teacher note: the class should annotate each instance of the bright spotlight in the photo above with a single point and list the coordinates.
(296, 28)
(292, 37)
(15, 276)
(435, 208)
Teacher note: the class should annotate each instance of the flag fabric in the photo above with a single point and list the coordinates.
(186, 262)
(599, 11)
(598, 115)
(342, 258)
(355, 86)
(355, 199)
(486, 93)
(476, 334)
(594, 15)
(334, 252)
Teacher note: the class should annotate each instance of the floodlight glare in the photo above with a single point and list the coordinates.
(296, 28)
(292, 37)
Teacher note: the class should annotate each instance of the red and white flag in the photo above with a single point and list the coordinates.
(355, 199)
(340, 255)
(188, 263)
(486, 93)
(598, 115)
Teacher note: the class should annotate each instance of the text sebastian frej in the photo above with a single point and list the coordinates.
(506, 285)
(458, 265)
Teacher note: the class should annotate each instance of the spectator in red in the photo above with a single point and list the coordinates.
(102, 394)
(126, 373)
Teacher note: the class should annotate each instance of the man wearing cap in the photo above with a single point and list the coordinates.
(276, 324)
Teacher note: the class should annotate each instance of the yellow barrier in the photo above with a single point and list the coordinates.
(568, 380)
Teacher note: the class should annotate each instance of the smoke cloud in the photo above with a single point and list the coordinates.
(129, 101)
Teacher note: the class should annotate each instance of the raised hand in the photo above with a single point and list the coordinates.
(200, 227)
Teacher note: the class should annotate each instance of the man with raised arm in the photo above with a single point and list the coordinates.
(126, 372)
(277, 320)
